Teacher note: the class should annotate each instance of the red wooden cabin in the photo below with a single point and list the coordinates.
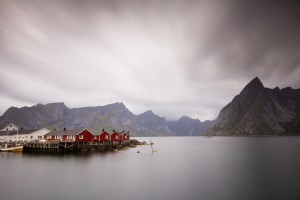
(84, 136)
(115, 137)
(121, 134)
(61, 135)
(126, 137)
(101, 136)
(70, 135)
(104, 137)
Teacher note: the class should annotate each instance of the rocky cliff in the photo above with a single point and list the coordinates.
(260, 111)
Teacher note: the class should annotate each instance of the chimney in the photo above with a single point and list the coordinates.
(113, 130)
(103, 130)
(65, 129)
(54, 129)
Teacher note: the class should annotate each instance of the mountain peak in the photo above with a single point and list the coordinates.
(53, 105)
(119, 105)
(184, 118)
(148, 113)
(56, 103)
(255, 82)
(253, 86)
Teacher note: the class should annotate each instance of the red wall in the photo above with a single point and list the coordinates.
(87, 136)
(52, 137)
(115, 136)
(96, 138)
(64, 137)
(103, 135)
(126, 136)
(122, 136)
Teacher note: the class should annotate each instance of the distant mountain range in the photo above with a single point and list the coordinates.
(255, 111)
(113, 116)
(260, 111)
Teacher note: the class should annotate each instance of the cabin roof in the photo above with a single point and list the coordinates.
(65, 132)
(3, 125)
(20, 132)
(98, 132)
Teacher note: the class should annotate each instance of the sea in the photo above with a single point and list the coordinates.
(182, 168)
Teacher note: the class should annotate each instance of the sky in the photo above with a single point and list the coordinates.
(177, 57)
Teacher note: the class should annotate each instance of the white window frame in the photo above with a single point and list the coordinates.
(81, 137)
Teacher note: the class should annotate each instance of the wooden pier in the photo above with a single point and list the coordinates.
(70, 146)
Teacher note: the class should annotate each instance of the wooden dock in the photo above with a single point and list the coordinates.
(69, 146)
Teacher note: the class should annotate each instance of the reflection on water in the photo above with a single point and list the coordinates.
(183, 168)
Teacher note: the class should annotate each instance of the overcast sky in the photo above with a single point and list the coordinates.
(172, 57)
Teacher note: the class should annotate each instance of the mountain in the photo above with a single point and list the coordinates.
(260, 111)
(113, 116)
(153, 122)
(188, 126)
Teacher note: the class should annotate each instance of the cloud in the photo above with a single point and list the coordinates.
(173, 57)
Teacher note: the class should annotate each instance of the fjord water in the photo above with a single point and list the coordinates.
(183, 168)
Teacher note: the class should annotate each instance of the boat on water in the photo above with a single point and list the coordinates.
(11, 148)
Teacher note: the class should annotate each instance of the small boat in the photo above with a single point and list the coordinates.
(11, 148)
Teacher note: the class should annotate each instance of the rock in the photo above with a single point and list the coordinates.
(260, 111)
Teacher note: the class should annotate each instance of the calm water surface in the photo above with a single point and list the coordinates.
(184, 168)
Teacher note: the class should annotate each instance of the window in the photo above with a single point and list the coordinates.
(10, 125)
(106, 137)
(31, 137)
(57, 137)
(116, 137)
(80, 137)
(69, 137)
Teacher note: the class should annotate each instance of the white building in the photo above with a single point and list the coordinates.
(23, 135)
(8, 127)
